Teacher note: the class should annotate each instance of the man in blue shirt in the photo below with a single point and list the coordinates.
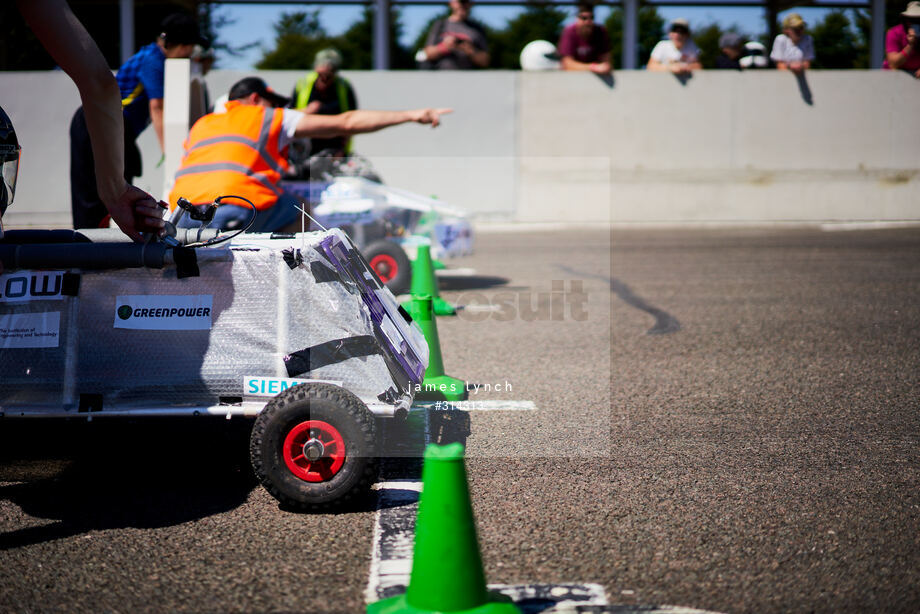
(140, 80)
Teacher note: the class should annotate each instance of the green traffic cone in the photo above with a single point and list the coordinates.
(437, 264)
(436, 386)
(424, 281)
(447, 573)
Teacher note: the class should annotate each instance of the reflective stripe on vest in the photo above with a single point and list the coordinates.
(233, 153)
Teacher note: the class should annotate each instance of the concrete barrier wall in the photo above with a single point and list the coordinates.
(726, 146)
(549, 147)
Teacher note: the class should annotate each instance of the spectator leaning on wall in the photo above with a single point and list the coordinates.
(678, 53)
(902, 43)
(732, 46)
(585, 45)
(793, 49)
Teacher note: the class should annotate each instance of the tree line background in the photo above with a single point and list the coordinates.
(841, 37)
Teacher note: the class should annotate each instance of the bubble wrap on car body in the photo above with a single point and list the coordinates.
(262, 312)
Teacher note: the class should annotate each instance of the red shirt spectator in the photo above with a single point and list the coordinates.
(584, 45)
(902, 43)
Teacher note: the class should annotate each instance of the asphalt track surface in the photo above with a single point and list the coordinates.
(726, 419)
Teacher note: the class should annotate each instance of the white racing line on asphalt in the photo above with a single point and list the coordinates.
(474, 308)
(461, 272)
(851, 226)
(394, 536)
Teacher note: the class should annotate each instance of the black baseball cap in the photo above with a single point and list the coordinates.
(182, 29)
(255, 85)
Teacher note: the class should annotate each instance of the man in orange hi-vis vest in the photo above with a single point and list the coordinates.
(243, 152)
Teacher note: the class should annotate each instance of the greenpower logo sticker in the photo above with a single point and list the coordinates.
(163, 312)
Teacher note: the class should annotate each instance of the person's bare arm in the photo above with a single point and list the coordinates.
(601, 67)
(570, 63)
(656, 66)
(363, 121)
(436, 51)
(479, 57)
(71, 46)
(156, 118)
(897, 59)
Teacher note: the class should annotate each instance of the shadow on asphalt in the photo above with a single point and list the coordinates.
(404, 443)
(112, 474)
(115, 474)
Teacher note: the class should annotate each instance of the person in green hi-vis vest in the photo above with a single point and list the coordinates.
(324, 92)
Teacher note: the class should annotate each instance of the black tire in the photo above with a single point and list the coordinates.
(391, 265)
(285, 416)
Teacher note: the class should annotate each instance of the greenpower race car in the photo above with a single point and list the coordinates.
(295, 332)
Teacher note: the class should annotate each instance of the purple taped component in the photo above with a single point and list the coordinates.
(350, 263)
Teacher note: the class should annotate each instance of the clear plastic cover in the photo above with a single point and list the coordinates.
(260, 314)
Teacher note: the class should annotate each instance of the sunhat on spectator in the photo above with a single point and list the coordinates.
(912, 11)
(793, 20)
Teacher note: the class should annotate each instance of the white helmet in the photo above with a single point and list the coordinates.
(540, 55)
(754, 55)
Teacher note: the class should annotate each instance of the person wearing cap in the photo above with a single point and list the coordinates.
(678, 53)
(902, 42)
(70, 45)
(793, 49)
(243, 152)
(456, 42)
(585, 45)
(732, 47)
(140, 81)
(325, 92)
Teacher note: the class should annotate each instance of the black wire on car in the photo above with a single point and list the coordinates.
(208, 214)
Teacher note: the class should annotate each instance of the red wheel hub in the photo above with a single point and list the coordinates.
(385, 266)
(314, 451)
